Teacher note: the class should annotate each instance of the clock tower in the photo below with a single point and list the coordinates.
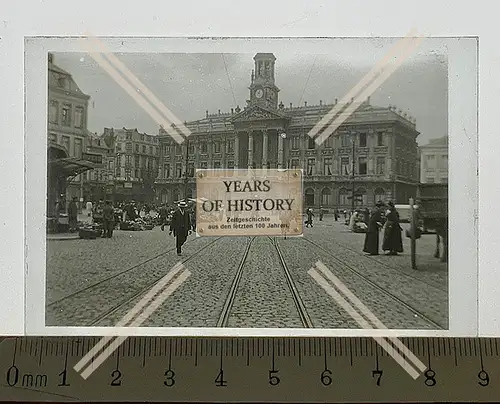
(263, 91)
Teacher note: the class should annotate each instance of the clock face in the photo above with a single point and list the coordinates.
(259, 93)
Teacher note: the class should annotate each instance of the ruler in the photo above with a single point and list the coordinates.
(158, 369)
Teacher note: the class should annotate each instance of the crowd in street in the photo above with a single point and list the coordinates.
(383, 217)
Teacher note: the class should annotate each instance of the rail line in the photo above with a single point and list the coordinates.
(114, 276)
(299, 304)
(126, 301)
(376, 286)
(389, 266)
(231, 296)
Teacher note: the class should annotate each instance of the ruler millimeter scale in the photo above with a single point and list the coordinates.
(249, 369)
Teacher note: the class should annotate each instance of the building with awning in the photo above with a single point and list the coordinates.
(61, 169)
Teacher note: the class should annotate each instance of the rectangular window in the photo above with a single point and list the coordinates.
(362, 166)
(311, 166)
(430, 161)
(216, 164)
(166, 170)
(144, 150)
(345, 141)
(127, 161)
(79, 118)
(178, 170)
(345, 168)
(66, 115)
(65, 143)
(150, 149)
(167, 149)
(190, 170)
(380, 139)
(230, 146)
(294, 164)
(329, 142)
(137, 162)
(230, 165)
(136, 148)
(128, 148)
(136, 173)
(327, 166)
(444, 161)
(53, 112)
(362, 140)
(78, 148)
(295, 142)
(204, 147)
(380, 165)
(191, 149)
(110, 165)
(311, 144)
(217, 147)
(204, 165)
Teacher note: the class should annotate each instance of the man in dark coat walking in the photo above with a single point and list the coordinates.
(73, 214)
(372, 233)
(393, 242)
(180, 226)
(108, 220)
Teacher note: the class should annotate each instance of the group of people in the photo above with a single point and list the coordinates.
(392, 242)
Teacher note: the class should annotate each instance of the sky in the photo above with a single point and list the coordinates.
(191, 83)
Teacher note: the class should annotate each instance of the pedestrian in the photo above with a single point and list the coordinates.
(163, 216)
(73, 214)
(372, 233)
(310, 214)
(108, 220)
(180, 226)
(392, 242)
(336, 214)
(321, 213)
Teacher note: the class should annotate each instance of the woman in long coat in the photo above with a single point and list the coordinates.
(372, 233)
(393, 242)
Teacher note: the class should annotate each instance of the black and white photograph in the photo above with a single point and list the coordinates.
(127, 131)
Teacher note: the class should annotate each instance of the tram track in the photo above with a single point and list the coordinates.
(145, 289)
(383, 291)
(233, 289)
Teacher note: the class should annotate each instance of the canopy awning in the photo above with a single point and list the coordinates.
(70, 166)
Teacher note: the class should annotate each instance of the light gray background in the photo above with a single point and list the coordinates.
(259, 18)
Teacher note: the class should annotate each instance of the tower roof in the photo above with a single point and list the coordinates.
(264, 56)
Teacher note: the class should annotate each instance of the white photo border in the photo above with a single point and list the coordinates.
(462, 53)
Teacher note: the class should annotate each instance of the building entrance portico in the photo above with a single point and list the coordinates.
(259, 141)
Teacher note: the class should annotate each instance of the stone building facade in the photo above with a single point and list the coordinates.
(66, 136)
(434, 161)
(378, 143)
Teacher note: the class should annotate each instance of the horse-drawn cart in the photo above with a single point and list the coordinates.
(431, 214)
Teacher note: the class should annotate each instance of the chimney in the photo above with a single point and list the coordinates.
(305, 103)
(320, 102)
(290, 105)
(206, 113)
(232, 111)
(336, 100)
(219, 111)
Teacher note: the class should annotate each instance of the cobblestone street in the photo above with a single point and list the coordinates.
(243, 281)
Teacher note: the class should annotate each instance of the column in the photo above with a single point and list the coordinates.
(265, 148)
(280, 150)
(236, 150)
(250, 149)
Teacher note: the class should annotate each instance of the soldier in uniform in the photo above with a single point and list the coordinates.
(180, 226)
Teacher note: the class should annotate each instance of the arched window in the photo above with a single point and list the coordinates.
(379, 195)
(343, 197)
(309, 197)
(361, 197)
(326, 197)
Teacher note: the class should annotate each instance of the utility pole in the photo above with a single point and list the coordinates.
(353, 169)
(186, 178)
